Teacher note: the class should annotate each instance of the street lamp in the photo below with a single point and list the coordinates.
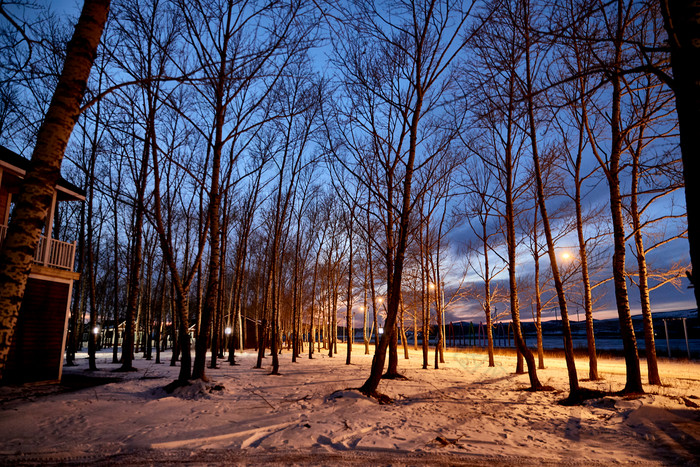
(96, 333)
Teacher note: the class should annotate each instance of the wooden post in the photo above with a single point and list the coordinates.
(685, 331)
(668, 346)
(49, 231)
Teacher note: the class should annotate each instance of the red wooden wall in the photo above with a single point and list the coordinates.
(36, 351)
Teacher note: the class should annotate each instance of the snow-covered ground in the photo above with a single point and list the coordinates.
(464, 413)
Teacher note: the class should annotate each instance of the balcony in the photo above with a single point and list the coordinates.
(58, 255)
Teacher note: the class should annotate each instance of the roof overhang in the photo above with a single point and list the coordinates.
(18, 165)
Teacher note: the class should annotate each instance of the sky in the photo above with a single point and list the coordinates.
(666, 298)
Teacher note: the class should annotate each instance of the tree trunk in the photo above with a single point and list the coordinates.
(558, 285)
(582, 248)
(583, 258)
(34, 199)
(538, 311)
(395, 269)
(644, 299)
(425, 299)
(136, 253)
(404, 341)
(91, 266)
(680, 21)
(634, 381)
(365, 339)
(487, 294)
(115, 297)
(509, 168)
(348, 303)
(74, 336)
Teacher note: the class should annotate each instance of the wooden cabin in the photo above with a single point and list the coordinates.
(39, 342)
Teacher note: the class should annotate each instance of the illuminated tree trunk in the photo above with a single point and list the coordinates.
(634, 379)
(644, 299)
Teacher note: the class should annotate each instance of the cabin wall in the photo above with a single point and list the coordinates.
(36, 353)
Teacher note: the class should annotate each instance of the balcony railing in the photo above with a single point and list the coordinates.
(60, 255)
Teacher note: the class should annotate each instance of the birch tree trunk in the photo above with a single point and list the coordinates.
(34, 199)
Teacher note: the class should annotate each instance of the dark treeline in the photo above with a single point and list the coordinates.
(256, 169)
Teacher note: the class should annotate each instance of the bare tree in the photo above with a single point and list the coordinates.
(610, 164)
(654, 178)
(240, 65)
(399, 65)
(480, 215)
(539, 183)
(499, 53)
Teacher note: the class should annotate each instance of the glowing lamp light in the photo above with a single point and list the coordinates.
(96, 330)
(227, 331)
(381, 330)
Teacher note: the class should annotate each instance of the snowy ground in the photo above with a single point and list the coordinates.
(463, 414)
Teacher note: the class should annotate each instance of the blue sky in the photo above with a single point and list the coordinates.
(663, 299)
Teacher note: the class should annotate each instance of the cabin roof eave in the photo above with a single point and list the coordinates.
(17, 164)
